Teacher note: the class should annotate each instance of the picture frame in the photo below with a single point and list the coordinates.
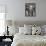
(30, 9)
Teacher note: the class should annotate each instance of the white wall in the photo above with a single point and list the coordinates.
(40, 10)
(16, 10)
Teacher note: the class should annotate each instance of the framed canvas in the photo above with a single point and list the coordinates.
(30, 9)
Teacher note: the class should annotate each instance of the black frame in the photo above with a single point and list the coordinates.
(30, 9)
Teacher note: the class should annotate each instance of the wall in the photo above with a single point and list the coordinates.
(40, 10)
(16, 10)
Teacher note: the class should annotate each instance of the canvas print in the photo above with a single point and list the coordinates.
(30, 9)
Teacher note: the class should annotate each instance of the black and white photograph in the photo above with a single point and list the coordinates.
(30, 9)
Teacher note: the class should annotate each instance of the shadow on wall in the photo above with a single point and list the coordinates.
(21, 23)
